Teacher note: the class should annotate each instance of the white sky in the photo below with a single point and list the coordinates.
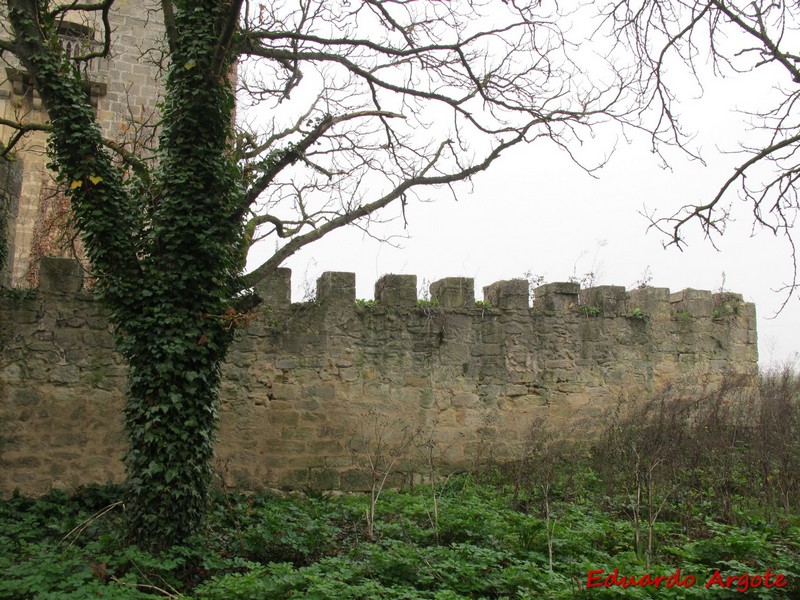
(535, 211)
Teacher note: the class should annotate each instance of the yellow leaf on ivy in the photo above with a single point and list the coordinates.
(190, 64)
(75, 184)
(95, 179)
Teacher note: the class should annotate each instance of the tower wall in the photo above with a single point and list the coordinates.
(125, 89)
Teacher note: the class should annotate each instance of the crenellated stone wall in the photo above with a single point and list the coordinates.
(313, 391)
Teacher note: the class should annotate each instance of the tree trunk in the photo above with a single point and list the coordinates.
(179, 340)
(170, 418)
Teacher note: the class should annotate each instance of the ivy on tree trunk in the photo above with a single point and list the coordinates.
(176, 345)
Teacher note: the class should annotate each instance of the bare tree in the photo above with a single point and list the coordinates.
(734, 39)
(368, 102)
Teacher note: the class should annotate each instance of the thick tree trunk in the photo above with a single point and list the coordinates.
(186, 324)
(170, 418)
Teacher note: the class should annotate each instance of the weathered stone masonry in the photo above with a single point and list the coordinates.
(311, 390)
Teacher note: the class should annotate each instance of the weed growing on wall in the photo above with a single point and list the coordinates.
(591, 311)
(637, 314)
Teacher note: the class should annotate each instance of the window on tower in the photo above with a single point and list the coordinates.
(78, 41)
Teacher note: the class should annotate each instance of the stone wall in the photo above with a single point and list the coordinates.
(313, 391)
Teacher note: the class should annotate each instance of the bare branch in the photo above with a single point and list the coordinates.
(347, 218)
(704, 212)
(104, 52)
(278, 162)
(77, 6)
(228, 28)
(735, 39)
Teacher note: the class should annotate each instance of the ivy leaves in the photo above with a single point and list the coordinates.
(176, 345)
(93, 179)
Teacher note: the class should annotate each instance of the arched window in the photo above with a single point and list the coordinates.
(78, 40)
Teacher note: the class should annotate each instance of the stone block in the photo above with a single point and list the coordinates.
(698, 303)
(516, 390)
(465, 400)
(397, 290)
(486, 350)
(324, 479)
(558, 296)
(22, 316)
(509, 294)
(60, 275)
(454, 292)
(286, 418)
(276, 288)
(65, 374)
(11, 373)
(610, 299)
(689, 294)
(651, 300)
(283, 391)
(294, 479)
(336, 289)
(288, 362)
(356, 480)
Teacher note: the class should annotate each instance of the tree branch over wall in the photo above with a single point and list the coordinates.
(736, 40)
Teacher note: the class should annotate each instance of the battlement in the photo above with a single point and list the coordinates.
(302, 379)
(338, 289)
(400, 291)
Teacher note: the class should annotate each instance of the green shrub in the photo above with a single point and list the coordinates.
(288, 531)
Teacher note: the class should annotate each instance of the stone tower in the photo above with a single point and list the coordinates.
(125, 89)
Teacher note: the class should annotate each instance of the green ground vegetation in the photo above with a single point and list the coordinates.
(700, 488)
